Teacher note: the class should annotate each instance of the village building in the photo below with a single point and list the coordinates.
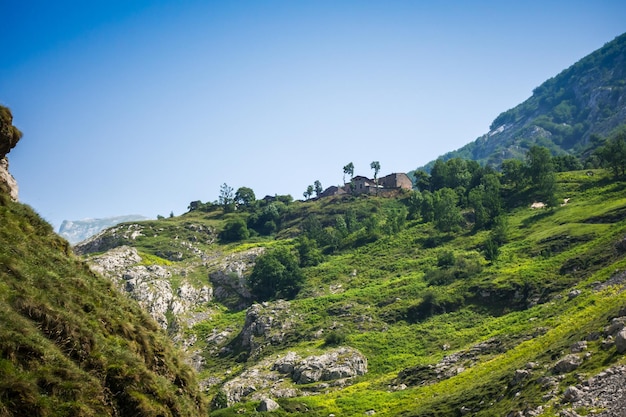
(364, 185)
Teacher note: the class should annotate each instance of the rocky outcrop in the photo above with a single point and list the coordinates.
(9, 136)
(151, 286)
(8, 184)
(267, 324)
(292, 376)
(184, 239)
(228, 277)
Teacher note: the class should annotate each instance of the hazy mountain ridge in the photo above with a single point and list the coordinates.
(563, 114)
(78, 230)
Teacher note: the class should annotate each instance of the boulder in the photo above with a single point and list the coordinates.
(620, 341)
(572, 394)
(267, 404)
(567, 364)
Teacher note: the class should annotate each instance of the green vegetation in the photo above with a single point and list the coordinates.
(69, 343)
(564, 114)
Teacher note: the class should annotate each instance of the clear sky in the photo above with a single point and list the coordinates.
(140, 107)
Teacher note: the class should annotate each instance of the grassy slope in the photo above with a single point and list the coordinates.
(69, 343)
(378, 295)
(527, 308)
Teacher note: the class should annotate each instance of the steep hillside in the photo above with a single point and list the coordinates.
(70, 345)
(394, 317)
(564, 113)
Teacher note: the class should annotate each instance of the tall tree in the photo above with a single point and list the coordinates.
(375, 165)
(226, 198)
(348, 169)
(318, 188)
(447, 214)
(245, 197)
(614, 153)
(541, 172)
(309, 192)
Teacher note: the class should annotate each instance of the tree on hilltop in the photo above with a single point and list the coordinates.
(318, 188)
(348, 169)
(375, 165)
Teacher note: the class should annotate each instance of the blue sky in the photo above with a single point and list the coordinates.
(139, 107)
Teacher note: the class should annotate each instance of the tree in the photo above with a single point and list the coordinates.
(276, 274)
(309, 192)
(375, 165)
(513, 172)
(226, 198)
(235, 230)
(447, 213)
(541, 172)
(614, 153)
(245, 197)
(348, 169)
(318, 188)
(422, 180)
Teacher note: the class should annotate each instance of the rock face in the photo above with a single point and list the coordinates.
(9, 136)
(150, 285)
(228, 278)
(267, 324)
(7, 182)
(292, 376)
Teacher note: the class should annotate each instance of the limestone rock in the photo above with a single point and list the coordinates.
(337, 364)
(7, 182)
(150, 285)
(567, 364)
(267, 324)
(620, 341)
(572, 394)
(229, 277)
(267, 404)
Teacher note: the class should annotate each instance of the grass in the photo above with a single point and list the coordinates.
(392, 298)
(70, 344)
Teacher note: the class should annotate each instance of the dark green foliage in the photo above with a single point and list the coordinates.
(309, 253)
(447, 214)
(226, 198)
(235, 230)
(334, 338)
(244, 197)
(276, 274)
(613, 153)
(542, 175)
(219, 401)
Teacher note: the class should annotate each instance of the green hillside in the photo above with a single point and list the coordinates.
(70, 345)
(446, 323)
(565, 114)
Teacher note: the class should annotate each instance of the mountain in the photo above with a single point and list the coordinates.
(78, 230)
(564, 113)
(70, 345)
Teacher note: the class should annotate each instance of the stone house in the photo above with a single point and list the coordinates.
(364, 185)
(396, 180)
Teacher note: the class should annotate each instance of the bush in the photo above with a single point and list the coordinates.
(334, 338)
(276, 274)
(235, 230)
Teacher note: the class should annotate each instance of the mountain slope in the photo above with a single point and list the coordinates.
(70, 345)
(563, 114)
(442, 330)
